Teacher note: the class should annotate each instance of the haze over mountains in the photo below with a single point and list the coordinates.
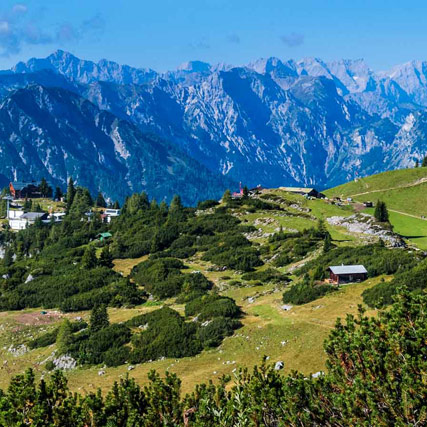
(202, 128)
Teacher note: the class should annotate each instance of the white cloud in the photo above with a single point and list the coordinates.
(19, 8)
(4, 27)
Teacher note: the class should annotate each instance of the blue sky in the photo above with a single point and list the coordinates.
(161, 34)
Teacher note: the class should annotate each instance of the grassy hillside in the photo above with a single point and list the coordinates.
(404, 192)
(380, 182)
(295, 337)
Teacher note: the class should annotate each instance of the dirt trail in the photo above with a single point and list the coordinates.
(413, 184)
(404, 213)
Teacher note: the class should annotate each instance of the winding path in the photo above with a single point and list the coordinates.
(413, 184)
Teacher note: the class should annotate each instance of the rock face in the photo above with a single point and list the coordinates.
(271, 122)
(366, 225)
(54, 133)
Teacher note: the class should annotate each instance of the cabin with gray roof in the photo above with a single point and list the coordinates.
(303, 191)
(347, 273)
(23, 220)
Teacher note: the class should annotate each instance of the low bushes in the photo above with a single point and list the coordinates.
(382, 294)
(210, 306)
(166, 335)
(49, 338)
(212, 334)
(265, 276)
(302, 293)
(163, 278)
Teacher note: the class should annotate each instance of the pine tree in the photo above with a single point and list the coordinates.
(327, 243)
(226, 198)
(82, 201)
(64, 337)
(321, 228)
(176, 204)
(245, 192)
(100, 201)
(163, 208)
(417, 163)
(71, 192)
(98, 318)
(381, 212)
(318, 274)
(44, 188)
(8, 257)
(105, 258)
(89, 259)
(58, 194)
(28, 205)
(116, 205)
(424, 163)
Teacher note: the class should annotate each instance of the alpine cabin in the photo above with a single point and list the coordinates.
(347, 273)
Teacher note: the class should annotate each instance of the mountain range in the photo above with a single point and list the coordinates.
(202, 128)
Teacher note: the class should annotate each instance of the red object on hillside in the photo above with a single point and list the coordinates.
(240, 193)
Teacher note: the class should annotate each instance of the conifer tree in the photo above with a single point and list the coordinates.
(105, 258)
(226, 198)
(44, 188)
(381, 212)
(71, 192)
(116, 205)
(245, 192)
(100, 201)
(417, 163)
(58, 194)
(176, 204)
(98, 318)
(8, 257)
(321, 228)
(327, 243)
(28, 205)
(424, 163)
(89, 259)
(64, 337)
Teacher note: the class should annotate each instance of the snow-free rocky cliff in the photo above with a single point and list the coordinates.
(271, 122)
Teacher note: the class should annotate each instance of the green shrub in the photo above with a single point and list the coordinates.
(302, 293)
(265, 276)
(166, 335)
(212, 334)
(50, 366)
(94, 349)
(49, 338)
(116, 356)
(206, 204)
(162, 277)
(382, 294)
(210, 306)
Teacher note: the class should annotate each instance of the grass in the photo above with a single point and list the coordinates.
(402, 190)
(125, 266)
(266, 329)
(295, 337)
(413, 229)
(382, 181)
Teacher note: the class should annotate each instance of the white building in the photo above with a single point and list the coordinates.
(18, 220)
(111, 213)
